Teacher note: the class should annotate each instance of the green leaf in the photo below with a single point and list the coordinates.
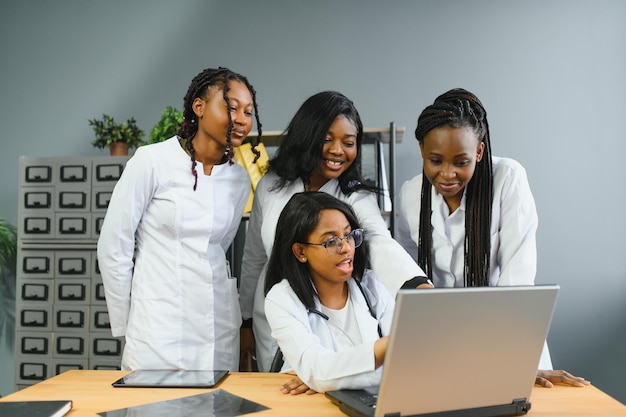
(107, 132)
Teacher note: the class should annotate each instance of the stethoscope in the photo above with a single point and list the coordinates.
(367, 302)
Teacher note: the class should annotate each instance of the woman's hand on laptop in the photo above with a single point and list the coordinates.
(295, 387)
(548, 378)
(418, 282)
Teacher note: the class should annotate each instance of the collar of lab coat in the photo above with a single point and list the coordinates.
(368, 325)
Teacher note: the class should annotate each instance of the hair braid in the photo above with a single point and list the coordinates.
(229, 147)
(460, 108)
(425, 243)
(199, 88)
(259, 126)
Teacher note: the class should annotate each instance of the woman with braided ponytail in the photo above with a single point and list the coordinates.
(173, 214)
(473, 221)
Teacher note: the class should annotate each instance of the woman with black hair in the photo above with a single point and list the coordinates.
(319, 152)
(179, 203)
(329, 314)
(470, 218)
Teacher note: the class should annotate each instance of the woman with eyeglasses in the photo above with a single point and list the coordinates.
(329, 315)
(320, 151)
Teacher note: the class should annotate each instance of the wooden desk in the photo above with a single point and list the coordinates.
(91, 392)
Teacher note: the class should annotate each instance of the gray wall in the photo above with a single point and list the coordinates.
(552, 75)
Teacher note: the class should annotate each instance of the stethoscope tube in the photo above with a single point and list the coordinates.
(367, 302)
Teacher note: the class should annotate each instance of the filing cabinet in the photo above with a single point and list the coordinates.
(68, 318)
(62, 320)
(35, 291)
(58, 366)
(34, 317)
(33, 372)
(70, 345)
(35, 264)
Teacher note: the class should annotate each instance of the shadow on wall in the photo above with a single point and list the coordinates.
(610, 373)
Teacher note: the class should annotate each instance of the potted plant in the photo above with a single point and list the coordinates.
(118, 137)
(167, 126)
(8, 253)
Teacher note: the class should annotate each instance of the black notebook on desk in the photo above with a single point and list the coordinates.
(35, 408)
(459, 352)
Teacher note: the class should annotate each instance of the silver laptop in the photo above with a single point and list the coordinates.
(459, 352)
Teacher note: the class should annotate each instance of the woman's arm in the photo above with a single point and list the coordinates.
(517, 227)
(391, 263)
(319, 367)
(253, 262)
(408, 204)
(116, 243)
(254, 256)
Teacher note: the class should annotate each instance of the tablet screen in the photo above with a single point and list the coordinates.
(171, 378)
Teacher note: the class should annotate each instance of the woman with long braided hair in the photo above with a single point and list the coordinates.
(173, 214)
(453, 136)
(473, 221)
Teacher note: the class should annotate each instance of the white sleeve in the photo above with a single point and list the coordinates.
(254, 256)
(408, 204)
(391, 263)
(116, 244)
(383, 303)
(517, 253)
(321, 368)
(545, 362)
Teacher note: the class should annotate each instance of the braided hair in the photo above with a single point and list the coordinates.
(458, 108)
(199, 88)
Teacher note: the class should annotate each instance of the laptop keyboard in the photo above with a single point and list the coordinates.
(369, 400)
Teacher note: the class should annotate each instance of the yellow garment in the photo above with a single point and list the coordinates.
(245, 157)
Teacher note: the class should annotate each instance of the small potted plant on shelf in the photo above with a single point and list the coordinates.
(118, 137)
(8, 253)
(167, 126)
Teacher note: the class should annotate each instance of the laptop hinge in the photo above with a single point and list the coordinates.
(517, 407)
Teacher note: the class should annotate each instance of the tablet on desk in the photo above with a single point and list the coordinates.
(170, 378)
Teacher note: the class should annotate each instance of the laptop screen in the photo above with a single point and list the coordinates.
(464, 348)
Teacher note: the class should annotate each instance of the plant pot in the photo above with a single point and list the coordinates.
(119, 149)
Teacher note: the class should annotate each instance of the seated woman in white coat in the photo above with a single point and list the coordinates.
(329, 315)
(469, 219)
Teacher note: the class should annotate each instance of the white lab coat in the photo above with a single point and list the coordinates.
(175, 302)
(307, 342)
(513, 231)
(388, 260)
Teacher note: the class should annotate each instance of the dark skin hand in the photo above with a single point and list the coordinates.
(547, 379)
(247, 348)
(295, 387)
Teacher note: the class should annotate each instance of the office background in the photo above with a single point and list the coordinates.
(551, 73)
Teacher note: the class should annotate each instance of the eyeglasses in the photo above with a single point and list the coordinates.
(334, 245)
